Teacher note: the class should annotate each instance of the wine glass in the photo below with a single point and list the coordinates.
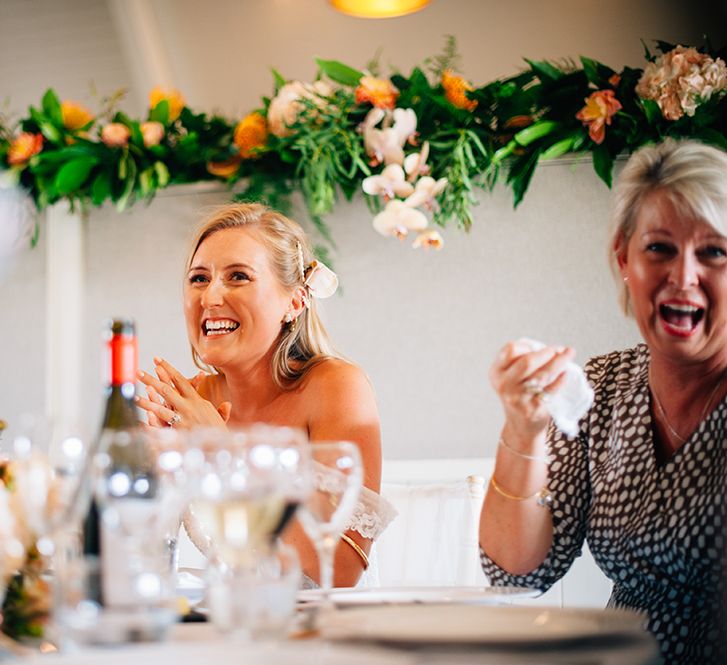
(338, 476)
(249, 487)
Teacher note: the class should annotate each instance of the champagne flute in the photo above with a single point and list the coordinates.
(338, 476)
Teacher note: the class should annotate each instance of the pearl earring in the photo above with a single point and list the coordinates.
(288, 318)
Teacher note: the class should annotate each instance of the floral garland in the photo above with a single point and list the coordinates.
(417, 146)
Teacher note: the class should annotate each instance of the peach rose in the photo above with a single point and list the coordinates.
(225, 169)
(152, 132)
(680, 80)
(251, 134)
(455, 88)
(115, 135)
(174, 97)
(23, 147)
(75, 115)
(285, 107)
(381, 93)
(600, 108)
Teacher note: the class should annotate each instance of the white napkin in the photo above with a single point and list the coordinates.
(572, 401)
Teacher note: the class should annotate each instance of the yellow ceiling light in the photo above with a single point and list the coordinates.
(379, 8)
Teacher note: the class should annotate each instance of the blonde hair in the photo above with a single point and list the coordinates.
(304, 342)
(694, 177)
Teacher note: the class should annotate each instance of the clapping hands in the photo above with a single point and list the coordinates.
(173, 400)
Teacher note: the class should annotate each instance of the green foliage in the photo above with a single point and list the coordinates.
(517, 123)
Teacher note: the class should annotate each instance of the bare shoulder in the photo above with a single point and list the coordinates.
(342, 406)
(335, 378)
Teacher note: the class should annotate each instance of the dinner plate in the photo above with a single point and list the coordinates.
(480, 625)
(478, 595)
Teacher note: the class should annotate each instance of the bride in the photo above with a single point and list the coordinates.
(250, 306)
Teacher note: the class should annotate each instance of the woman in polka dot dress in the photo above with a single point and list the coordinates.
(644, 479)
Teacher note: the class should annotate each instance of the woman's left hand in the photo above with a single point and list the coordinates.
(173, 399)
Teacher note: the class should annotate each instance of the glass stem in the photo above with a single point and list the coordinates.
(326, 550)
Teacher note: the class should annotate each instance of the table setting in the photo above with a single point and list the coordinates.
(235, 492)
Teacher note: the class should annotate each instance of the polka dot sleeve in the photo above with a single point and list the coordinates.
(569, 484)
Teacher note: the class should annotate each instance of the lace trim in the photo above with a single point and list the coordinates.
(373, 513)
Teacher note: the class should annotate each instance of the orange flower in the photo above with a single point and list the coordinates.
(600, 107)
(75, 115)
(455, 88)
(225, 169)
(251, 134)
(174, 97)
(24, 147)
(381, 93)
(115, 135)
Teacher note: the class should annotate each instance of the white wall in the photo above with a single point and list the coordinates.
(424, 325)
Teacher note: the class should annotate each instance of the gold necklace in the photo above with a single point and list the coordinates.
(701, 415)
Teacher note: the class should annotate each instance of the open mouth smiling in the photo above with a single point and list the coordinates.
(681, 318)
(214, 327)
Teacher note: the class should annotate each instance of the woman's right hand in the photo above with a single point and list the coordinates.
(173, 400)
(524, 379)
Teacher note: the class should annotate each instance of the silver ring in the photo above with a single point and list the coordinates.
(174, 420)
(533, 387)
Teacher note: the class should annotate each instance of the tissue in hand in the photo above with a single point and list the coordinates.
(572, 401)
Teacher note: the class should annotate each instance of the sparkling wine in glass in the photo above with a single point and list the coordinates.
(338, 475)
(248, 489)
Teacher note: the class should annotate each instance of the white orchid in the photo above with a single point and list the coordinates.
(390, 183)
(415, 164)
(387, 144)
(425, 192)
(397, 219)
(429, 239)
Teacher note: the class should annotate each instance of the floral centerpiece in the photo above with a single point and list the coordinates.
(28, 494)
(416, 146)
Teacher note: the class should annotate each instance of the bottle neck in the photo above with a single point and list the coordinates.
(124, 355)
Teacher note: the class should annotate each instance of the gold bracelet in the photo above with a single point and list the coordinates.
(356, 548)
(517, 453)
(542, 497)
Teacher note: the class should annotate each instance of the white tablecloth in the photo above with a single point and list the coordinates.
(199, 644)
